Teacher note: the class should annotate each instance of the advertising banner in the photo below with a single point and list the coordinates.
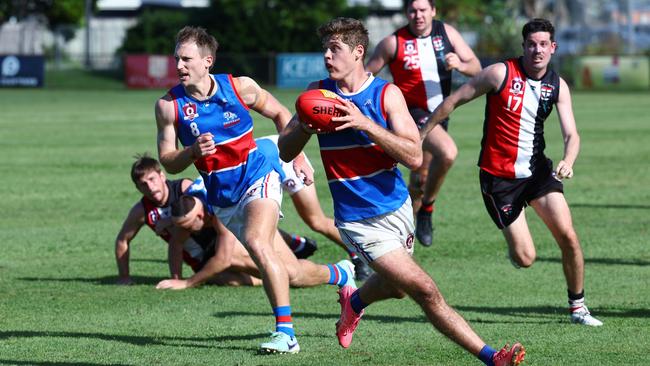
(150, 71)
(297, 70)
(21, 71)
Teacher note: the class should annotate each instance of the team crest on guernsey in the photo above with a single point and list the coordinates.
(438, 43)
(409, 48)
(516, 86)
(230, 119)
(547, 91)
(159, 213)
(190, 112)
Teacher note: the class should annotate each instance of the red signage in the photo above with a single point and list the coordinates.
(150, 71)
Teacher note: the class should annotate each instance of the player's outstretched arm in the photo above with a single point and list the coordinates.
(564, 168)
(130, 228)
(219, 262)
(487, 80)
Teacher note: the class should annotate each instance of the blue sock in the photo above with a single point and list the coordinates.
(338, 276)
(283, 321)
(357, 303)
(486, 355)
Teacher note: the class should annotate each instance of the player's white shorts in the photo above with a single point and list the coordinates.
(291, 184)
(234, 217)
(371, 238)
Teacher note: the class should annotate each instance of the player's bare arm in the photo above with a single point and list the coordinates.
(219, 262)
(564, 168)
(382, 55)
(402, 142)
(295, 136)
(174, 160)
(175, 251)
(130, 228)
(463, 58)
(264, 103)
(489, 79)
(222, 258)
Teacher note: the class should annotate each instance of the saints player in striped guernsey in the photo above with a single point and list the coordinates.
(514, 172)
(421, 57)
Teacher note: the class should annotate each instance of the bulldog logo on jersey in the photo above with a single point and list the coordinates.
(547, 91)
(230, 119)
(190, 112)
(516, 86)
(438, 43)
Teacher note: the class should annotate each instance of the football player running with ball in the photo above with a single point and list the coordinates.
(372, 207)
(514, 171)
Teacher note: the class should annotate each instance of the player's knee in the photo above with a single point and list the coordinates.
(524, 259)
(259, 250)
(448, 158)
(568, 241)
(426, 292)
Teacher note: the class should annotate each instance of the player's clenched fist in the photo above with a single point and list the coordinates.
(203, 146)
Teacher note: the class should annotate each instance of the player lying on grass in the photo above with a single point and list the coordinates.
(515, 173)
(153, 210)
(190, 215)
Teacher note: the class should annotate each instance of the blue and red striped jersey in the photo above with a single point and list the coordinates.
(237, 163)
(364, 181)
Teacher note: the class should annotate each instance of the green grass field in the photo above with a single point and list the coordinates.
(66, 155)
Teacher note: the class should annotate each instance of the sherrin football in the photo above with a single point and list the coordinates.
(316, 107)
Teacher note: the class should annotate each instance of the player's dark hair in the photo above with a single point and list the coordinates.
(207, 44)
(350, 31)
(538, 25)
(143, 165)
(408, 2)
(183, 206)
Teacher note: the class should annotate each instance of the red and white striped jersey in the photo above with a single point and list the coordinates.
(513, 131)
(418, 67)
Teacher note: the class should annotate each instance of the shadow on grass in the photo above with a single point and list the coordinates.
(192, 342)
(610, 205)
(554, 311)
(41, 363)
(520, 314)
(106, 280)
(605, 261)
(149, 260)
